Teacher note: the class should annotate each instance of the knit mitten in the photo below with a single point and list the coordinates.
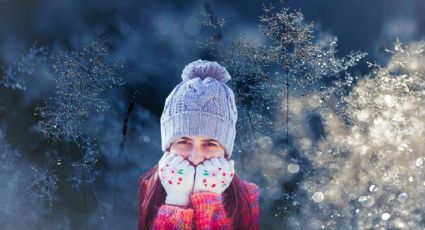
(177, 177)
(214, 175)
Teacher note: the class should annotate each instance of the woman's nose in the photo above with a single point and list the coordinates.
(196, 157)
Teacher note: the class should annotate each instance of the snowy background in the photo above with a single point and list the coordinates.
(330, 96)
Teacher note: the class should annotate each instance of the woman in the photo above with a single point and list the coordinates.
(194, 185)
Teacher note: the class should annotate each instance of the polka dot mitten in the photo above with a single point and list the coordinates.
(177, 177)
(214, 175)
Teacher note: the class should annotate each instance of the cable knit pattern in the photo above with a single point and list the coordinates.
(205, 213)
(201, 105)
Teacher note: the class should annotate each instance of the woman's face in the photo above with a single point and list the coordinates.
(196, 149)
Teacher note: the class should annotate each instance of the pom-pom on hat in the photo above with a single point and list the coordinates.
(204, 69)
(201, 105)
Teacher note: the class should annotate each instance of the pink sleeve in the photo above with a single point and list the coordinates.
(209, 211)
(167, 216)
(173, 218)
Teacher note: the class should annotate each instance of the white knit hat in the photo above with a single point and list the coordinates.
(201, 105)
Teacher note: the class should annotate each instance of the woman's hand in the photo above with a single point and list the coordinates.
(214, 175)
(177, 177)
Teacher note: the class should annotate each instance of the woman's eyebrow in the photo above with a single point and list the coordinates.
(212, 140)
(206, 140)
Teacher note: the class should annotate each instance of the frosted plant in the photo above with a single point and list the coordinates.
(84, 170)
(370, 174)
(306, 62)
(24, 186)
(304, 57)
(17, 75)
(44, 183)
(289, 63)
(81, 77)
(81, 80)
(291, 56)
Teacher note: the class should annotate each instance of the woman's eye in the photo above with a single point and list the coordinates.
(187, 142)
